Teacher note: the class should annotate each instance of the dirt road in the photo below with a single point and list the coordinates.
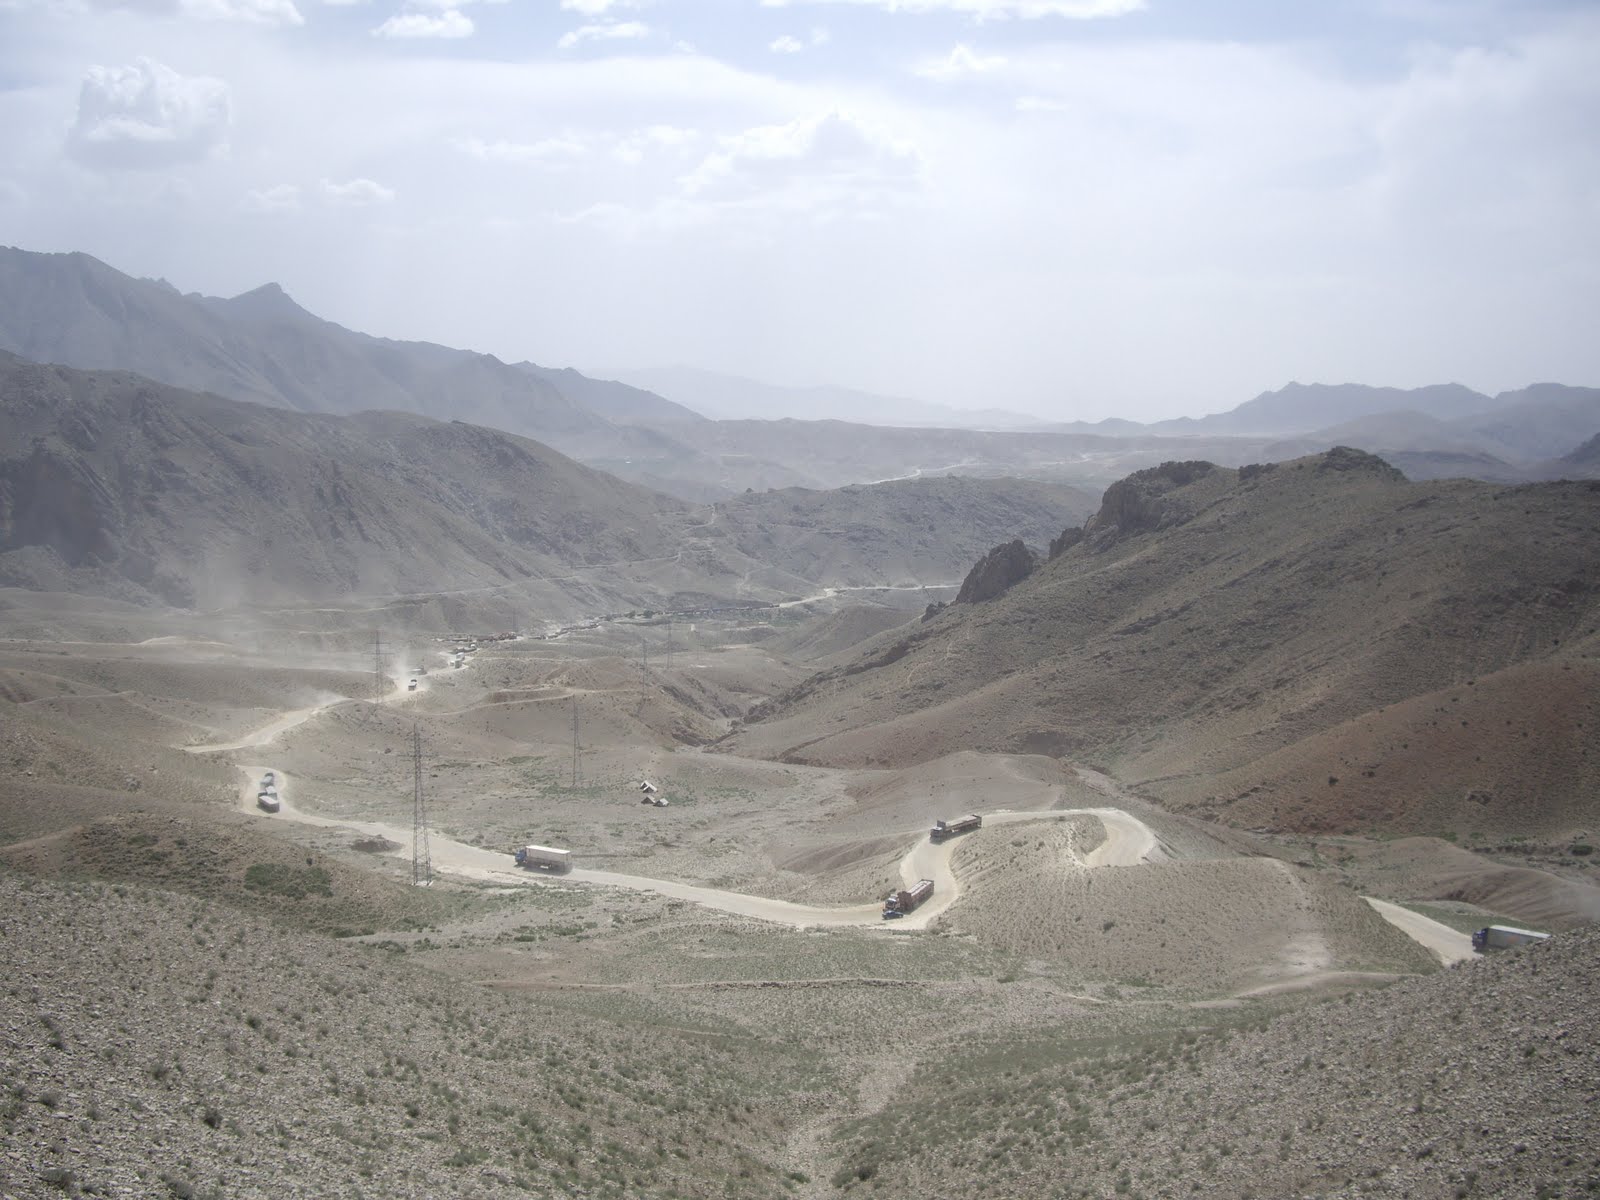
(269, 732)
(1448, 945)
(926, 860)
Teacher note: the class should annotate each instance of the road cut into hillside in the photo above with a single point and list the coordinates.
(1448, 945)
(1129, 841)
(269, 732)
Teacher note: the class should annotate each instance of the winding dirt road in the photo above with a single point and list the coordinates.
(269, 732)
(1129, 838)
(1128, 842)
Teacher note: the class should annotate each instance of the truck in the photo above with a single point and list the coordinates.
(267, 799)
(1504, 937)
(949, 829)
(544, 858)
(903, 900)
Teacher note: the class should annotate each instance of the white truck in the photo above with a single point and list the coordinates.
(1504, 937)
(544, 858)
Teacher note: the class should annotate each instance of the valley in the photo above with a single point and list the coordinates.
(741, 921)
(1253, 748)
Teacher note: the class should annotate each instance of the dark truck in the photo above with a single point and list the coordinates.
(1504, 937)
(949, 829)
(902, 901)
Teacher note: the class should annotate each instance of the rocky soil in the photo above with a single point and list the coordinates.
(155, 1045)
(1482, 1081)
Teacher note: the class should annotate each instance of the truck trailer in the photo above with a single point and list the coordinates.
(1504, 937)
(903, 900)
(544, 858)
(949, 829)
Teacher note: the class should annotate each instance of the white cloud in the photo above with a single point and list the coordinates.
(961, 62)
(610, 31)
(450, 23)
(253, 12)
(358, 193)
(283, 198)
(595, 8)
(787, 44)
(988, 10)
(554, 151)
(147, 115)
(835, 147)
(632, 148)
(569, 148)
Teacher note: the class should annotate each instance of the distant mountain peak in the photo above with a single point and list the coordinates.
(268, 300)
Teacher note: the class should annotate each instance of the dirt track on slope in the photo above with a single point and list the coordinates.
(1128, 836)
(1446, 944)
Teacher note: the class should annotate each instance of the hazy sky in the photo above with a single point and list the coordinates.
(1078, 208)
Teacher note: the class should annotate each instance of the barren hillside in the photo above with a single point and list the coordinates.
(1209, 619)
(927, 530)
(1477, 1082)
(117, 486)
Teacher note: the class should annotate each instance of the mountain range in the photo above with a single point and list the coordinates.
(732, 398)
(117, 486)
(261, 346)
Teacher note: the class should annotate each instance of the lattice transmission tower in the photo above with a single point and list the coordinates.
(421, 853)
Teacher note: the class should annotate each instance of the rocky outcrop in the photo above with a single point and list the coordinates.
(1347, 458)
(1068, 539)
(999, 570)
(1142, 502)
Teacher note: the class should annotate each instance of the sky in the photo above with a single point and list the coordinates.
(1071, 208)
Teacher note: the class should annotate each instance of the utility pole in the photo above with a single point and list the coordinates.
(577, 752)
(669, 641)
(421, 853)
(644, 649)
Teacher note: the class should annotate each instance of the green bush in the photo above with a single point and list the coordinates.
(293, 882)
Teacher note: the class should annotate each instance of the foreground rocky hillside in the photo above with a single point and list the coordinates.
(155, 1045)
(1319, 643)
(1477, 1082)
(200, 1051)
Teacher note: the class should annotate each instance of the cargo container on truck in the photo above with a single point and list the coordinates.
(903, 900)
(948, 829)
(544, 858)
(1504, 937)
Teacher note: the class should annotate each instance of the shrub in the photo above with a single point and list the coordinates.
(293, 882)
